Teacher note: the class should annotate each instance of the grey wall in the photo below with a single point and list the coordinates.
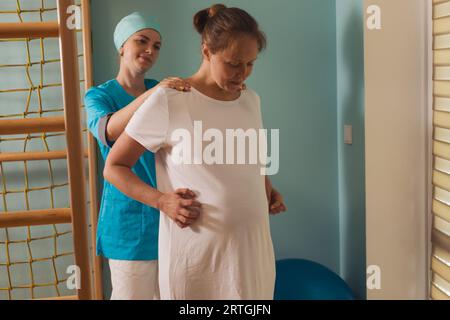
(398, 150)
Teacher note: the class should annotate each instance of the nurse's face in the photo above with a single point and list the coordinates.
(140, 52)
(233, 65)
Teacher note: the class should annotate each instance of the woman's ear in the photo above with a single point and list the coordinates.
(205, 52)
(121, 51)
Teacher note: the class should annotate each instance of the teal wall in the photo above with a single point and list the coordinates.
(350, 111)
(310, 80)
(305, 79)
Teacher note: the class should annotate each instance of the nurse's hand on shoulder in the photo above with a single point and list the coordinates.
(175, 83)
(180, 206)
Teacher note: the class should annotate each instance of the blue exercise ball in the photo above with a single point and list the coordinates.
(300, 279)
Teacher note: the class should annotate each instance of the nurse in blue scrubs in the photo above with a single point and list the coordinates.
(127, 231)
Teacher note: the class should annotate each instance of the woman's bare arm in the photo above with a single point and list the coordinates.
(179, 205)
(274, 198)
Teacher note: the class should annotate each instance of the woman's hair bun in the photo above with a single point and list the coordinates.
(213, 10)
(219, 26)
(201, 18)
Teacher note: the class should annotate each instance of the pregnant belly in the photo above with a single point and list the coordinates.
(233, 209)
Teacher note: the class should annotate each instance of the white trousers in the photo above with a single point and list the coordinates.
(134, 280)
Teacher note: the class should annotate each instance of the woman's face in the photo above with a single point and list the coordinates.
(232, 66)
(141, 50)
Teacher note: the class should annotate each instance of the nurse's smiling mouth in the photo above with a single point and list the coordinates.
(146, 58)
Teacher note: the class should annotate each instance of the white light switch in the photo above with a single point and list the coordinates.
(348, 134)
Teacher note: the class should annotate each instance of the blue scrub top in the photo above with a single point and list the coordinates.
(127, 229)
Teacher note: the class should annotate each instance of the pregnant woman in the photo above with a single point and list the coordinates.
(227, 252)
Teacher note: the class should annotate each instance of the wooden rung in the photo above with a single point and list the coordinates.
(35, 156)
(11, 30)
(33, 125)
(60, 298)
(30, 156)
(35, 217)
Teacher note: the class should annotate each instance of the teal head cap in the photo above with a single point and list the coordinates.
(131, 24)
